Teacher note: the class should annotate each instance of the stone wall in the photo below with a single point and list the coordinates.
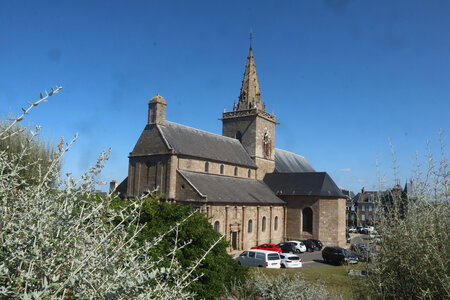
(198, 165)
(234, 219)
(328, 224)
(332, 222)
(147, 174)
(294, 226)
(185, 192)
(246, 125)
(263, 126)
(253, 129)
(264, 166)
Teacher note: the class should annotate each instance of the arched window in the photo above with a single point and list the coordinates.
(206, 166)
(307, 216)
(239, 136)
(263, 224)
(217, 226)
(249, 226)
(221, 169)
(249, 173)
(275, 224)
(235, 171)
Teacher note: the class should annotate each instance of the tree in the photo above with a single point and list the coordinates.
(31, 154)
(217, 271)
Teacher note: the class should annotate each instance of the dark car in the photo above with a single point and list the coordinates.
(318, 243)
(364, 252)
(310, 246)
(338, 256)
(286, 247)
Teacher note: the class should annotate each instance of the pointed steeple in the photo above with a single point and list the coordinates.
(250, 96)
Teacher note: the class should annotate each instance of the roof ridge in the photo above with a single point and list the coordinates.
(289, 152)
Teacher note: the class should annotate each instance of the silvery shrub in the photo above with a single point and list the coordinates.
(58, 240)
(281, 286)
(414, 249)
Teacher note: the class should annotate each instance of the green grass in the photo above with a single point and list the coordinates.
(335, 278)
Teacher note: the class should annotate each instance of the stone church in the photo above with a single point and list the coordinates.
(252, 192)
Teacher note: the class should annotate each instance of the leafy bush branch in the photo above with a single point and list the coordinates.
(57, 241)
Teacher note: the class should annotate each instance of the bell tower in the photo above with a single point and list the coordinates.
(250, 123)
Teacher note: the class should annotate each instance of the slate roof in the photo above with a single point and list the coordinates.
(304, 184)
(231, 189)
(198, 143)
(288, 162)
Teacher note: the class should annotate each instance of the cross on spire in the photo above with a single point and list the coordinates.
(251, 37)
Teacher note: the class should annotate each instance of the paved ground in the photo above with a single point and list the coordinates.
(314, 259)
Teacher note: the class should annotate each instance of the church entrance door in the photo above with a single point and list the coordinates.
(234, 240)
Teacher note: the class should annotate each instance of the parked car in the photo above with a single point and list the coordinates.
(352, 230)
(359, 229)
(318, 243)
(286, 247)
(259, 258)
(290, 261)
(338, 256)
(299, 246)
(373, 234)
(268, 247)
(364, 252)
(310, 246)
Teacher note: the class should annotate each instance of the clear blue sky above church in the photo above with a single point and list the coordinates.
(341, 76)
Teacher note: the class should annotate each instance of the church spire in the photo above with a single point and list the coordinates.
(250, 96)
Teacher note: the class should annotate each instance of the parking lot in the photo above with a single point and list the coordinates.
(314, 259)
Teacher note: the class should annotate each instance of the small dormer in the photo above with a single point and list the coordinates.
(157, 110)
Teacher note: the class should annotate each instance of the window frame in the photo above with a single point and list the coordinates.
(217, 226)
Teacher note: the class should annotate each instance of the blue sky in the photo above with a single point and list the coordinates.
(341, 76)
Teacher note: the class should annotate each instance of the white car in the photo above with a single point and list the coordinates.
(368, 229)
(290, 261)
(259, 258)
(352, 230)
(299, 246)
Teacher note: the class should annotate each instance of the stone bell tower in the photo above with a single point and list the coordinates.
(250, 123)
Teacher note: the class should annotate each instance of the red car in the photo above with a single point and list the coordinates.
(268, 247)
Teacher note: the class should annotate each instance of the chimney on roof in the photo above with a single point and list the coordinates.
(157, 110)
(112, 186)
